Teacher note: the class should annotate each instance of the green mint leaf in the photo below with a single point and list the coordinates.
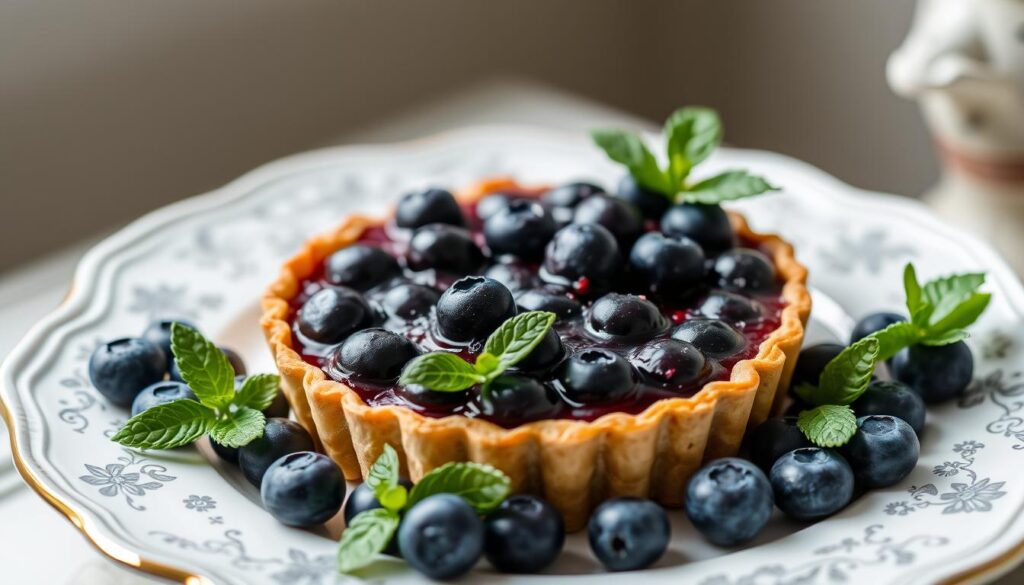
(167, 426)
(367, 535)
(946, 337)
(486, 363)
(895, 337)
(383, 474)
(919, 309)
(441, 371)
(239, 427)
(692, 133)
(481, 486)
(961, 316)
(829, 425)
(394, 498)
(204, 367)
(516, 338)
(629, 150)
(847, 376)
(258, 391)
(946, 294)
(728, 186)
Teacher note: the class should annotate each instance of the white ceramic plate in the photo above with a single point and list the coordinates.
(209, 258)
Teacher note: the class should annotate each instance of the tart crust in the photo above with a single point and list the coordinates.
(573, 464)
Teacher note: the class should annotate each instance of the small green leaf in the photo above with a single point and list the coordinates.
(692, 133)
(946, 294)
(394, 498)
(204, 367)
(481, 486)
(383, 474)
(895, 337)
(442, 372)
(239, 428)
(487, 363)
(829, 425)
(961, 316)
(728, 186)
(516, 338)
(367, 535)
(946, 337)
(258, 391)
(167, 425)
(847, 376)
(919, 309)
(629, 150)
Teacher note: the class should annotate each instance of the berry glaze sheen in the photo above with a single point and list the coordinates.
(574, 333)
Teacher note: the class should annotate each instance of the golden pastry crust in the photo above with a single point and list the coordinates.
(573, 464)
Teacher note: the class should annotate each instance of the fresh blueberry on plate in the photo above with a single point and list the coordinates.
(522, 229)
(513, 400)
(715, 339)
(620, 218)
(444, 248)
(937, 373)
(668, 362)
(332, 314)
(627, 534)
(229, 454)
(872, 323)
(774, 438)
(524, 535)
(624, 317)
(420, 208)
(472, 308)
(895, 399)
(708, 225)
(122, 368)
(280, 437)
(159, 334)
(441, 537)
(303, 489)
(375, 355)
(812, 361)
(650, 203)
(811, 483)
(546, 300)
(362, 499)
(161, 393)
(883, 451)
(667, 266)
(408, 301)
(729, 501)
(361, 267)
(596, 375)
(584, 257)
(744, 270)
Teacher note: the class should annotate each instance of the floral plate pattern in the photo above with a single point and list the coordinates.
(209, 258)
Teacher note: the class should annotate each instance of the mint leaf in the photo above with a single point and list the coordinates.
(629, 150)
(847, 376)
(383, 474)
(239, 428)
(728, 186)
(517, 337)
(919, 309)
(481, 486)
(829, 425)
(946, 294)
(167, 426)
(692, 133)
(895, 337)
(961, 316)
(258, 391)
(946, 337)
(204, 367)
(367, 535)
(486, 363)
(441, 371)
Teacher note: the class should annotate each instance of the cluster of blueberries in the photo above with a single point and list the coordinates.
(568, 248)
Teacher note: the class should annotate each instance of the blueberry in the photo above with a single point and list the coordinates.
(237, 365)
(492, 204)
(625, 317)
(715, 339)
(546, 300)
(362, 499)
(895, 399)
(668, 266)
(650, 203)
(472, 308)
(522, 229)
(420, 208)
(279, 408)
(514, 275)
(872, 323)
(708, 225)
(361, 267)
(596, 375)
(280, 437)
(669, 362)
(444, 248)
(936, 373)
(303, 489)
(159, 334)
(745, 270)
(332, 314)
(375, 355)
(627, 534)
(161, 393)
(884, 450)
(729, 501)
(570, 195)
(812, 361)
(585, 257)
(811, 483)
(514, 400)
(774, 438)
(617, 216)
(441, 537)
(229, 454)
(120, 369)
(425, 398)
(548, 354)
(524, 535)
(408, 301)
(731, 307)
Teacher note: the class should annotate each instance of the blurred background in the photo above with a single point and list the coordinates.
(109, 108)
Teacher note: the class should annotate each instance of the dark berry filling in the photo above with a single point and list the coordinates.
(628, 333)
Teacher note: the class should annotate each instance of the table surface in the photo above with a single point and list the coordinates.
(30, 530)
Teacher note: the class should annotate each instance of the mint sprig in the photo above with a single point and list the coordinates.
(691, 135)
(232, 419)
(828, 425)
(842, 382)
(481, 486)
(510, 343)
